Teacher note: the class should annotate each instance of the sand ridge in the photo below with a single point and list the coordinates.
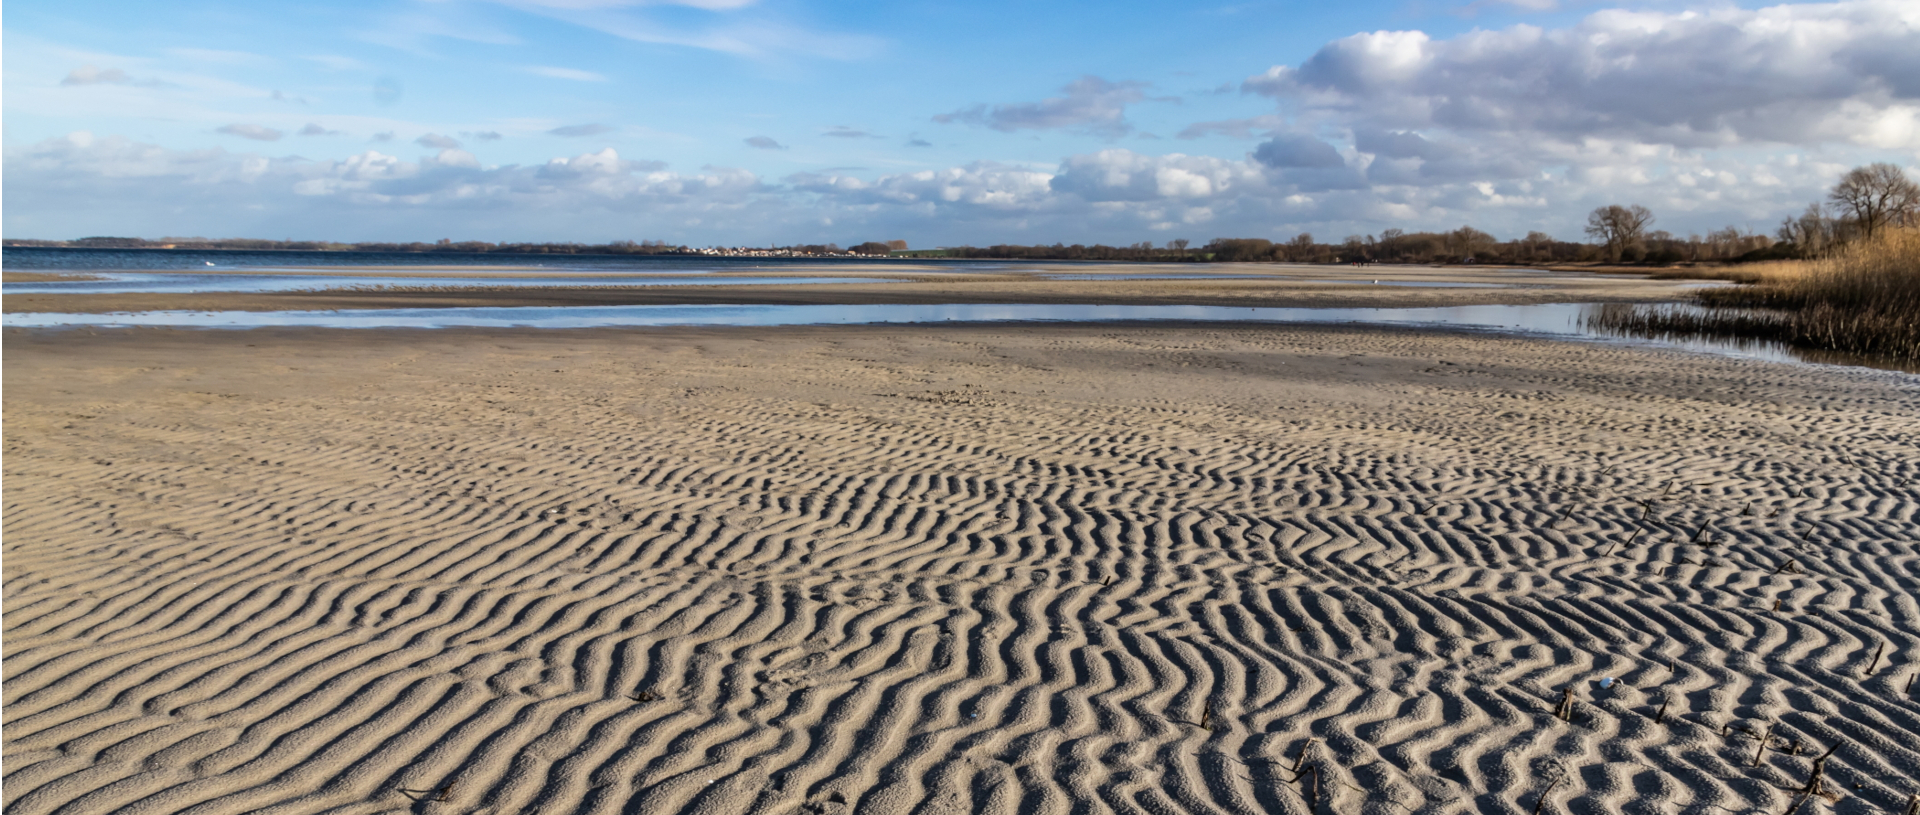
(948, 569)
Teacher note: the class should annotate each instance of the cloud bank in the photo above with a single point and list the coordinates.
(1786, 75)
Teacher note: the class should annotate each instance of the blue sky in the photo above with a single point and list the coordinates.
(734, 121)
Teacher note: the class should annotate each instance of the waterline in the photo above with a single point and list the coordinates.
(1564, 321)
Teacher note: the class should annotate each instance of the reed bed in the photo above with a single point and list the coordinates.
(1864, 300)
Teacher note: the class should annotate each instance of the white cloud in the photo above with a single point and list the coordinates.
(573, 74)
(437, 141)
(1123, 175)
(1091, 105)
(984, 185)
(1799, 74)
(89, 75)
(250, 131)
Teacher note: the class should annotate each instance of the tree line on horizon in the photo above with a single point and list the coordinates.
(1866, 199)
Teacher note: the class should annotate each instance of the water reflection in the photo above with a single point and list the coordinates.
(1423, 284)
(177, 283)
(1552, 320)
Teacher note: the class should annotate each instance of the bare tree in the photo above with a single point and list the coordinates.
(1390, 242)
(1468, 242)
(1876, 195)
(1178, 245)
(1811, 233)
(1619, 227)
(1302, 249)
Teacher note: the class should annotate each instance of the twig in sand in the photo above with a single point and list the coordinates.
(1910, 681)
(1776, 604)
(1796, 804)
(1913, 804)
(1543, 796)
(445, 793)
(1763, 737)
(1206, 718)
(1815, 783)
(1876, 658)
(1661, 717)
(1701, 531)
(1565, 711)
(1302, 758)
(1788, 567)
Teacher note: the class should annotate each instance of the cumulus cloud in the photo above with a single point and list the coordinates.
(1091, 105)
(255, 132)
(314, 129)
(1799, 74)
(982, 185)
(576, 131)
(1297, 150)
(437, 141)
(1123, 175)
(764, 143)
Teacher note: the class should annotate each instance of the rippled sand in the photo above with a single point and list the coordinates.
(948, 570)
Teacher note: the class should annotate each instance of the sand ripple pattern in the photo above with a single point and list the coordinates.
(971, 573)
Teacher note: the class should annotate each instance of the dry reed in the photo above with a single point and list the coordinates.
(1865, 299)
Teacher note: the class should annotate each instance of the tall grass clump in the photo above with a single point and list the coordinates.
(1864, 299)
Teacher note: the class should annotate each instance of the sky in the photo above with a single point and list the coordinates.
(772, 122)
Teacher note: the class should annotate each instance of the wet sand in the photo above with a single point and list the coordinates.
(950, 569)
(1281, 286)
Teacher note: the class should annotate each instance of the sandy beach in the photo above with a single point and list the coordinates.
(951, 569)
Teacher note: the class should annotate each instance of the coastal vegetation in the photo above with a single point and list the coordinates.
(1862, 299)
(1856, 288)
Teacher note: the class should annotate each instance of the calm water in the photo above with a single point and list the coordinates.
(33, 259)
(1553, 320)
(1424, 284)
(189, 283)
